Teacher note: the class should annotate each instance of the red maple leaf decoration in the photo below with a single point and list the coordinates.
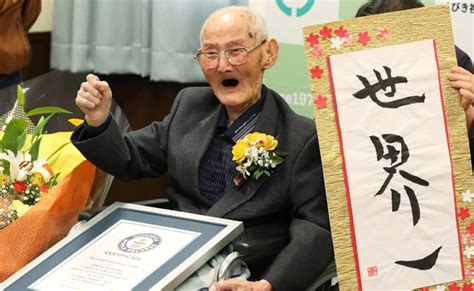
(341, 32)
(463, 213)
(454, 287)
(364, 38)
(467, 287)
(325, 32)
(425, 289)
(320, 102)
(316, 72)
(470, 228)
(313, 39)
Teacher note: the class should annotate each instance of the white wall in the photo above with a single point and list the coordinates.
(45, 19)
(463, 25)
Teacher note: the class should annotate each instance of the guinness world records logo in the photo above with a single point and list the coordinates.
(139, 243)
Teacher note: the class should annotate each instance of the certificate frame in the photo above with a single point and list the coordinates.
(214, 235)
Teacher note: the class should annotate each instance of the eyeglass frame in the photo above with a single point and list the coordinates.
(226, 52)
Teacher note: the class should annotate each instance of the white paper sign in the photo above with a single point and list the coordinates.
(398, 167)
(118, 259)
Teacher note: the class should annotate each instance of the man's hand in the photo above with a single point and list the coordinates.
(241, 285)
(463, 80)
(94, 98)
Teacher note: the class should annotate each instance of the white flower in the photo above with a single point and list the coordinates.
(337, 42)
(467, 196)
(15, 161)
(247, 164)
(468, 252)
(19, 207)
(21, 165)
(253, 154)
(440, 288)
(244, 171)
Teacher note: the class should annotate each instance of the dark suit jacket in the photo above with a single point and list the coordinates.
(285, 215)
(465, 61)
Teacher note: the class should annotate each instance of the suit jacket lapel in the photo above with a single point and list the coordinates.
(199, 138)
(235, 197)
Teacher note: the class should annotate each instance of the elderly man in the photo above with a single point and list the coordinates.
(285, 212)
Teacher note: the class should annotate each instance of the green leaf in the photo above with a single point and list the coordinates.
(257, 174)
(34, 150)
(251, 168)
(40, 126)
(10, 137)
(277, 162)
(47, 110)
(37, 132)
(6, 167)
(281, 154)
(20, 96)
(53, 181)
(22, 139)
(56, 151)
(267, 172)
(53, 159)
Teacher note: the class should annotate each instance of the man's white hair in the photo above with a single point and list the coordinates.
(257, 26)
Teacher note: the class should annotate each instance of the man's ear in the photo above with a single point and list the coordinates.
(271, 53)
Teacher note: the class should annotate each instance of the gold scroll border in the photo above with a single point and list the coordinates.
(405, 26)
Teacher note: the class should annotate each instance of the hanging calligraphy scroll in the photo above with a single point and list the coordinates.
(394, 146)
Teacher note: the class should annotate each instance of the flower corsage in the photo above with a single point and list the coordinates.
(255, 155)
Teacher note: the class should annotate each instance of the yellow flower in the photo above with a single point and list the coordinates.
(262, 140)
(255, 155)
(37, 179)
(4, 179)
(238, 151)
(19, 207)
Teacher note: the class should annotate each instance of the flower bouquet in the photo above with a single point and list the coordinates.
(255, 155)
(44, 183)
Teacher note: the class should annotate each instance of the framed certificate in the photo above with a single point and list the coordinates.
(128, 247)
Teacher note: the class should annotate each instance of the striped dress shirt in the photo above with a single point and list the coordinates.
(217, 170)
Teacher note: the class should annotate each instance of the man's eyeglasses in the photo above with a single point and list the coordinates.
(235, 56)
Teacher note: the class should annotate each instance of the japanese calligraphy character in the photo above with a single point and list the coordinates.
(425, 263)
(398, 156)
(397, 153)
(455, 6)
(382, 84)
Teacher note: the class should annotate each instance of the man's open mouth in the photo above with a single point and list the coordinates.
(230, 82)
